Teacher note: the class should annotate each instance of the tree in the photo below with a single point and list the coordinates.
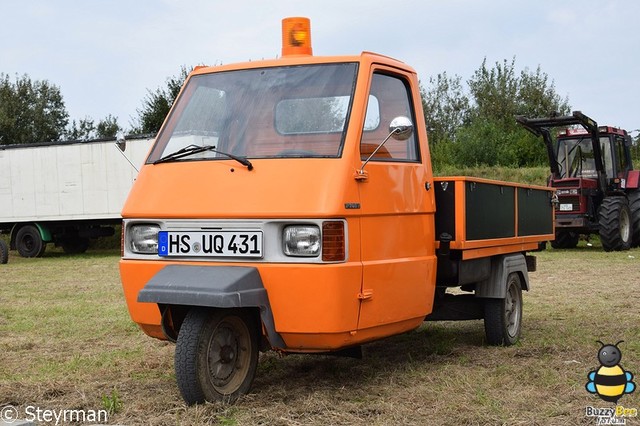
(500, 94)
(86, 129)
(81, 130)
(108, 127)
(480, 127)
(446, 107)
(157, 103)
(30, 111)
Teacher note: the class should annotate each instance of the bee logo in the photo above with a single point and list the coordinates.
(610, 381)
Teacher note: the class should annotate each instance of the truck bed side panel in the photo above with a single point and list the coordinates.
(489, 211)
(487, 218)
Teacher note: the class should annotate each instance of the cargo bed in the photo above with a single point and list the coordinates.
(486, 217)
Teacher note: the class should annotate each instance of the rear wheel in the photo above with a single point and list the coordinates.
(216, 355)
(634, 208)
(615, 224)
(4, 252)
(75, 245)
(565, 240)
(28, 242)
(503, 317)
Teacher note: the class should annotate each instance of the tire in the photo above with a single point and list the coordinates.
(503, 317)
(29, 243)
(565, 240)
(4, 252)
(614, 219)
(634, 208)
(216, 355)
(75, 245)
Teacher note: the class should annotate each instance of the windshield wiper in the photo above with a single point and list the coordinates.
(195, 149)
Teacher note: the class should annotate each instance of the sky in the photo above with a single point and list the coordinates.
(105, 55)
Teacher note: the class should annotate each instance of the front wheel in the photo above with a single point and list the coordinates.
(216, 355)
(614, 220)
(503, 317)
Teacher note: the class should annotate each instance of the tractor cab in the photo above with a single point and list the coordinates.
(576, 158)
(590, 166)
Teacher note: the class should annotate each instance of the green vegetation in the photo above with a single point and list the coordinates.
(477, 126)
(112, 402)
(528, 175)
(158, 102)
(34, 111)
(30, 111)
(66, 341)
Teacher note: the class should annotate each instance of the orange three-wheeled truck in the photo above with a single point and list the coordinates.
(290, 204)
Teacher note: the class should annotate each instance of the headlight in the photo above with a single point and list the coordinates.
(301, 240)
(143, 238)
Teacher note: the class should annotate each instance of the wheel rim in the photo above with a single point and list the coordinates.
(625, 225)
(28, 242)
(512, 309)
(228, 356)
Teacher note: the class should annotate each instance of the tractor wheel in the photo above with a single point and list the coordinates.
(503, 317)
(4, 252)
(29, 243)
(634, 207)
(565, 240)
(216, 355)
(615, 224)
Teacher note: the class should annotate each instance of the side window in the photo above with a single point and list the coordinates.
(390, 97)
(607, 156)
(620, 153)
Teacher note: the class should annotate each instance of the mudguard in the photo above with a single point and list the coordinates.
(501, 266)
(212, 286)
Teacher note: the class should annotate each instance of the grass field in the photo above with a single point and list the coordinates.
(66, 342)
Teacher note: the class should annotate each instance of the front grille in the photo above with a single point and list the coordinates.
(574, 200)
(566, 183)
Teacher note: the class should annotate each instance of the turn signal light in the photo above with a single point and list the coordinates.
(296, 36)
(333, 242)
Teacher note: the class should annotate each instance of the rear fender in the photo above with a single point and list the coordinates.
(45, 233)
(494, 287)
(223, 287)
(633, 179)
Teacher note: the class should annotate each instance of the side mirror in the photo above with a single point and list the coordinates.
(400, 128)
(121, 142)
(628, 140)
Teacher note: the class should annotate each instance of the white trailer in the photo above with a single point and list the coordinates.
(65, 192)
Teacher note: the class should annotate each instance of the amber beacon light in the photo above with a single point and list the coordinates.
(296, 36)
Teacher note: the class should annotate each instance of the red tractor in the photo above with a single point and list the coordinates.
(597, 188)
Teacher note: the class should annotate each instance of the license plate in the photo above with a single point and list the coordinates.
(210, 243)
(566, 207)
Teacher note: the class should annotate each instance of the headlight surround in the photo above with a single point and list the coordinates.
(302, 240)
(143, 238)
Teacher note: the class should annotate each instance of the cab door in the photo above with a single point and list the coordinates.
(397, 206)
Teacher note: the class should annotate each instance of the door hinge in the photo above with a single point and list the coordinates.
(361, 176)
(365, 294)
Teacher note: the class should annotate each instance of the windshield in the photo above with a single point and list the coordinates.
(297, 111)
(575, 157)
